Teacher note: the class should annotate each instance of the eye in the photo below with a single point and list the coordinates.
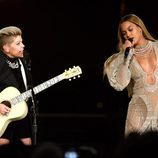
(130, 29)
(19, 43)
(123, 33)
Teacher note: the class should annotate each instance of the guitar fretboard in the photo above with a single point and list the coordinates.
(36, 90)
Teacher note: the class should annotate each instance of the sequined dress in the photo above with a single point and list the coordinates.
(142, 114)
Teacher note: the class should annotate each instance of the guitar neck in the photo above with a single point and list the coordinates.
(72, 72)
(27, 94)
(47, 84)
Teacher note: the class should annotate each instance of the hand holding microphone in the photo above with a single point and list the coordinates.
(123, 69)
(128, 48)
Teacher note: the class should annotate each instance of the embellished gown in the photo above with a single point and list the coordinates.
(142, 114)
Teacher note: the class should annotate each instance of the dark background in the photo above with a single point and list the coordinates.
(60, 34)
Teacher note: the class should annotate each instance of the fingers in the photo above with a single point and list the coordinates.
(6, 111)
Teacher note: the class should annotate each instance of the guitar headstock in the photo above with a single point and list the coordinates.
(72, 73)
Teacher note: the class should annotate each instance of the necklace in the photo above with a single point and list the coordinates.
(144, 50)
(13, 65)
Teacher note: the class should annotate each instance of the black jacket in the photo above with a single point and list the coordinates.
(7, 77)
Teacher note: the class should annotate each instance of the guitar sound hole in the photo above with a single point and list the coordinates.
(7, 103)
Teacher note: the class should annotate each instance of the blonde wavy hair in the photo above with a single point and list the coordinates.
(137, 21)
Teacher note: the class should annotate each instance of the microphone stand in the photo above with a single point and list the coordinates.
(34, 115)
(33, 108)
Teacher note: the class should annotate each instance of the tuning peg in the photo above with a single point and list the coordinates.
(69, 79)
(78, 76)
(74, 77)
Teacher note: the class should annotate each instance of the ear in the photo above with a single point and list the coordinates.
(6, 48)
(140, 29)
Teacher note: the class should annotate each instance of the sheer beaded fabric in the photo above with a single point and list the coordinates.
(142, 114)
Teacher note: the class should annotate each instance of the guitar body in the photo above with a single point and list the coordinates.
(17, 112)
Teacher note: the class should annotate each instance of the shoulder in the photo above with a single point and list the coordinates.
(2, 58)
(155, 43)
(113, 61)
(114, 57)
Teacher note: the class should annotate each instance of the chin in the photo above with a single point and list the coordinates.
(21, 54)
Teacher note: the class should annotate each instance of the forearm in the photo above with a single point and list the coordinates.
(123, 73)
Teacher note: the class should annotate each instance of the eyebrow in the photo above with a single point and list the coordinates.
(127, 28)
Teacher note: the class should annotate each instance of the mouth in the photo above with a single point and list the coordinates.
(131, 39)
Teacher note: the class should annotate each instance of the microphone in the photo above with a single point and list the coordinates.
(128, 49)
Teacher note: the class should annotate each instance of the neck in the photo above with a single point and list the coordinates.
(141, 44)
(146, 49)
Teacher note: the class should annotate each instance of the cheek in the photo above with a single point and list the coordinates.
(12, 50)
(15, 49)
(136, 31)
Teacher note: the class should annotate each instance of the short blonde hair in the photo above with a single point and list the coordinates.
(7, 34)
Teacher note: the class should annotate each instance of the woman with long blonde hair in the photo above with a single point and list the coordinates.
(135, 67)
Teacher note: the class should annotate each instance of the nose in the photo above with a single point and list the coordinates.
(128, 34)
(23, 45)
